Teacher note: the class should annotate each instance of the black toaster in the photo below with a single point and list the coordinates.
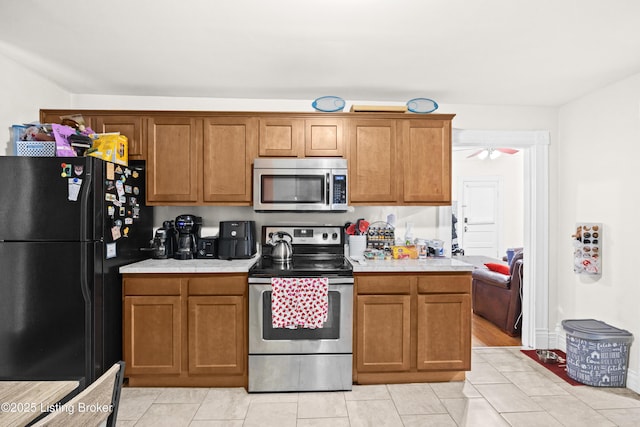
(207, 247)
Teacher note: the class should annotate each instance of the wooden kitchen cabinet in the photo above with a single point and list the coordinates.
(384, 333)
(185, 330)
(324, 138)
(216, 339)
(129, 126)
(152, 326)
(373, 163)
(157, 352)
(412, 327)
(426, 161)
(444, 322)
(444, 335)
(230, 145)
(205, 158)
(280, 137)
(400, 162)
(53, 116)
(298, 137)
(173, 147)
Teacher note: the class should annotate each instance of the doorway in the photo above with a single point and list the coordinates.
(534, 144)
(480, 213)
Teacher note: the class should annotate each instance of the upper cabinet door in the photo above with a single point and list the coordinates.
(426, 148)
(281, 137)
(372, 161)
(129, 126)
(230, 145)
(324, 138)
(173, 144)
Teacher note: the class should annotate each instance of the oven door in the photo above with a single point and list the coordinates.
(334, 337)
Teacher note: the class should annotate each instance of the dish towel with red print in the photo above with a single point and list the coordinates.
(299, 302)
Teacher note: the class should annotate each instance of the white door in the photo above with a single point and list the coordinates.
(480, 216)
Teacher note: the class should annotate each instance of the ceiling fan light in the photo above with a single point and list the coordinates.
(494, 154)
(483, 154)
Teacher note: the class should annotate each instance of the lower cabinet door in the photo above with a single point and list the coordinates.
(152, 334)
(383, 334)
(216, 335)
(444, 332)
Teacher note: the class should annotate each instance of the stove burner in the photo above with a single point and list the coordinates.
(301, 266)
(317, 251)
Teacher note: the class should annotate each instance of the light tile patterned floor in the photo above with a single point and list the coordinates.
(504, 388)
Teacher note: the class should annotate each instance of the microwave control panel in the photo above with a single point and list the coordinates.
(340, 190)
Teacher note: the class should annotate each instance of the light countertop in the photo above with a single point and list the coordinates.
(411, 265)
(243, 266)
(189, 266)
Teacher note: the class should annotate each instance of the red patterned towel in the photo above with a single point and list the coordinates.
(299, 302)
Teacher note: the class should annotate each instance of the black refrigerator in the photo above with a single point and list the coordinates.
(66, 226)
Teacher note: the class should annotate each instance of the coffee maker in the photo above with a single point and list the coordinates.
(164, 241)
(188, 229)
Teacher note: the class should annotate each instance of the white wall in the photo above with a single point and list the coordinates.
(23, 94)
(599, 152)
(509, 167)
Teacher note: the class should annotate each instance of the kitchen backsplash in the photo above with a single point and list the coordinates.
(424, 219)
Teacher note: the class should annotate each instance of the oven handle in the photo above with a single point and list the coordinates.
(332, 280)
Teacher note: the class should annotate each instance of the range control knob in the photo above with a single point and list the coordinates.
(334, 236)
(325, 236)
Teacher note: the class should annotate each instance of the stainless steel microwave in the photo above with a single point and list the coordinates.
(310, 184)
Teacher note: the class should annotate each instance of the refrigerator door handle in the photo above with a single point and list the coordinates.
(88, 312)
(84, 201)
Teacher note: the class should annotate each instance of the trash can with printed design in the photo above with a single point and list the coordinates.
(597, 353)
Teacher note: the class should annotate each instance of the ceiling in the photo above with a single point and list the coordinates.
(501, 52)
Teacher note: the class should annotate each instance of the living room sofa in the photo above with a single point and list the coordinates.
(498, 297)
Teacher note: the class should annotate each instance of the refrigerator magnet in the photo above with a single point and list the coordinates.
(128, 221)
(120, 188)
(111, 251)
(110, 171)
(74, 189)
(115, 232)
(128, 189)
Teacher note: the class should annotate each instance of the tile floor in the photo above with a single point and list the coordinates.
(504, 388)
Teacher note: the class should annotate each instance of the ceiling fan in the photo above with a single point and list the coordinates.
(492, 153)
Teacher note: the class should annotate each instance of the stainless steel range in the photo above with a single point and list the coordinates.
(301, 358)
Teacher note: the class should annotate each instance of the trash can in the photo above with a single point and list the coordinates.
(597, 353)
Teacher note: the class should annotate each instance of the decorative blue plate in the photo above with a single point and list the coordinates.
(422, 105)
(328, 104)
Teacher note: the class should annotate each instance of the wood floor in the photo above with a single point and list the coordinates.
(485, 334)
